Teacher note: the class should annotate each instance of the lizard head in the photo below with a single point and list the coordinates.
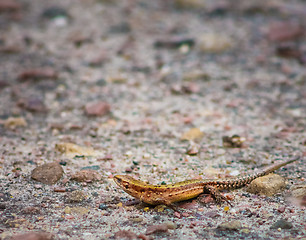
(130, 185)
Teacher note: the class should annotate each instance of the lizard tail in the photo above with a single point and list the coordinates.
(244, 180)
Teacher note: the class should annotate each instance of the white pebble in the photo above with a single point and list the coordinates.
(128, 153)
(146, 156)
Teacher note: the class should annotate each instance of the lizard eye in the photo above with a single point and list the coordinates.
(126, 186)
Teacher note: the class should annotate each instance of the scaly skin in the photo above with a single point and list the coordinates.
(171, 193)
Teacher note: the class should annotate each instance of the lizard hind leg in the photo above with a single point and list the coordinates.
(216, 194)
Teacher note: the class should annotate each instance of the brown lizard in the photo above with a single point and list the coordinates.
(171, 193)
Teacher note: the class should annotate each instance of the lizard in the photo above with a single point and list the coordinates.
(185, 190)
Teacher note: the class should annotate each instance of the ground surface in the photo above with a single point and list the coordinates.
(125, 81)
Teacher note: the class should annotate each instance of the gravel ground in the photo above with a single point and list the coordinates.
(155, 90)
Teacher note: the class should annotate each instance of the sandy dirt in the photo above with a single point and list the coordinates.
(155, 90)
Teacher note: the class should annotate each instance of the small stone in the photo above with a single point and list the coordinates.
(32, 104)
(4, 84)
(97, 109)
(86, 176)
(14, 122)
(194, 134)
(215, 43)
(298, 191)
(128, 170)
(103, 206)
(76, 210)
(76, 196)
(298, 194)
(31, 210)
(187, 4)
(122, 27)
(72, 150)
(38, 74)
(48, 173)
(174, 42)
(9, 6)
(212, 214)
(33, 236)
(232, 225)
(128, 153)
(171, 225)
(267, 185)
(234, 141)
(281, 209)
(59, 189)
(192, 150)
(117, 79)
(283, 224)
(289, 50)
(136, 219)
(285, 31)
(157, 229)
(94, 167)
(146, 156)
(196, 75)
(54, 12)
(125, 235)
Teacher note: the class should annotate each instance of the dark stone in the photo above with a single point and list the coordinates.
(283, 224)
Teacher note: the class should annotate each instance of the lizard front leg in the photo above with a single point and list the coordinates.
(216, 194)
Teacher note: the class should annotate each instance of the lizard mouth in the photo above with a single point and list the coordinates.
(117, 179)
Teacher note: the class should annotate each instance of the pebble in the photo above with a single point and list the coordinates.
(86, 176)
(171, 225)
(32, 104)
(298, 191)
(214, 43)
(196, 75)
(157, 229)
(145, 156)
(48, 173)
(284, 31)
(186, 4)
(4, 84)
(59, 189)
(54, 12)
(14, 122)
(267, 185)
(192, 150)
(124, 234)
(212, 214)
(76, 196)
(33, 236)
(136, 219)
(76, 210)
(194, 134)
(231, 225)
(281, 209)
(122, 27)
(97, 109)
(119, 79)
(234, 141)
(94, 167)
(72, 150)
(174, 42)
(31, 210)
(38, 74)
(283, 224)
(103, 206)
(128, 153)
(128, 170)
(10, 6)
